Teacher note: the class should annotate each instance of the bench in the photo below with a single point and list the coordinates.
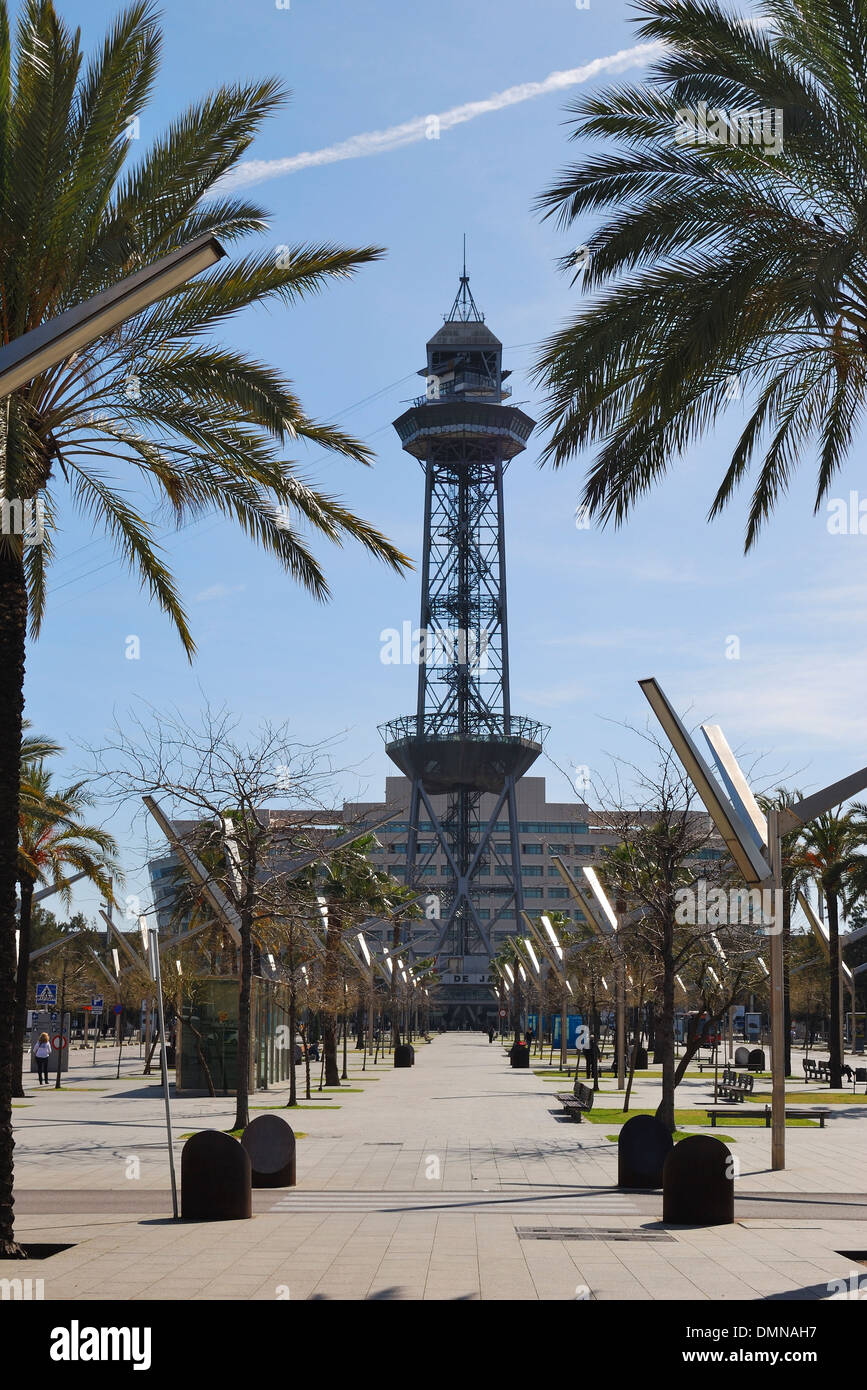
(734, 1086)
(576, 1101)
(765, 1114)
(816, 1071)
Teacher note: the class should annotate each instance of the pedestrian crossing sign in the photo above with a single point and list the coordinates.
(46, 996)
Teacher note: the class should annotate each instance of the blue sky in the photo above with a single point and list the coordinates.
(590, 611)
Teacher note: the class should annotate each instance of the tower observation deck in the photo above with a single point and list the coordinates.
(463, 739)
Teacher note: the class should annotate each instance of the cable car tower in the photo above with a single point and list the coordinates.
(463, 740)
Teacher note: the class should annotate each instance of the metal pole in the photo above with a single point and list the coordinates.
(778, 1017)
(620, 1007)
(564, 1050)
(157, 974)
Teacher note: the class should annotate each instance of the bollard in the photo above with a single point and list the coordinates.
(270, 1143)
(642, 1148)
(698, 1183)
(216, 1178)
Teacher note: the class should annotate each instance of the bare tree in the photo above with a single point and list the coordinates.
(218, 786)
(668, 867)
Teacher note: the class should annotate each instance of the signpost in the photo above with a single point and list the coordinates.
(46, 996)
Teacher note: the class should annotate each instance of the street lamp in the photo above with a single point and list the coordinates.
(67, 333)
(755, 845)
(619, 967)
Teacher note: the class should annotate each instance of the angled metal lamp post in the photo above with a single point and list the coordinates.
(604, 920)
(554, 954)
(609, 915)
(65, 334)
(755, 844)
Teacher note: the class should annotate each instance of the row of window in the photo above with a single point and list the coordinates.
(428, 847)
(502, 827)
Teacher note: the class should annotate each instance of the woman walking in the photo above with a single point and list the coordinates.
(42, 1052)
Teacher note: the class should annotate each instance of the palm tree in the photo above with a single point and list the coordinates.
(724, 270)
(830, 855)
(53, 839)
(160, 401)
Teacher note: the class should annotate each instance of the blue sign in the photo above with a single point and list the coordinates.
(118, 1008)
(46, 996)
(573, 1023)
(97, 1002)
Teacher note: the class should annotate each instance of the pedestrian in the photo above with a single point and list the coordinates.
(42, 1052)
(490, 1035)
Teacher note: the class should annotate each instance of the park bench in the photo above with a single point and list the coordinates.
(576, 1101)
(816, 1071)
(734, 1086)
(765, 1114)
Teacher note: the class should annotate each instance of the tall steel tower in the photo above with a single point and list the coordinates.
(463, 740)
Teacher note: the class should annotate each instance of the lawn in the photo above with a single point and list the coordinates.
(682, 1134)
(236, 1133)
(698, 1118)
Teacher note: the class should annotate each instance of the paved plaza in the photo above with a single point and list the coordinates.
(457, 1179)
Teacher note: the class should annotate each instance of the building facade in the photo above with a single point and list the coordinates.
(545, 830)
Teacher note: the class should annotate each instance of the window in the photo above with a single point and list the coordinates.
(558, 892)
(558, 849)
(507, 914)
(425, 846)
(532, 892)
(483, 913)
(585, 849)
(553, 872)
(531, 827)
(397, 849)
(429, 869)
(531, 849)
(531, 870)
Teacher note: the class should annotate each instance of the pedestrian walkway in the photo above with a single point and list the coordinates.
(456, 1178)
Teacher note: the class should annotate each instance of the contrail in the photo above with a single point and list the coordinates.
(380, 141)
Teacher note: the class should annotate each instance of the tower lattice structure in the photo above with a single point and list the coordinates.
(463, 740)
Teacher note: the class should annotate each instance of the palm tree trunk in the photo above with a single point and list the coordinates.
(242, 1091)
(835, 1056)
(20, 1025)
(665, 1035)
(395, 1021)
(13, 627)
(293, 1020)
(329, 1019)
